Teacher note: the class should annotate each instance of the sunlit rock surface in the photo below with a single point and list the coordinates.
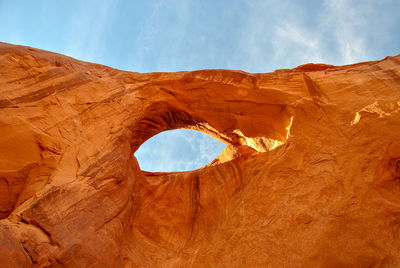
(310, 176)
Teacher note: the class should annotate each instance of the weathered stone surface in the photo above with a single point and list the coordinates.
(310, 177)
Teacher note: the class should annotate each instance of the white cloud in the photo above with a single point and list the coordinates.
(348, 24)
(85, 36)
(338, 35)
(178, 150)
(294, 41)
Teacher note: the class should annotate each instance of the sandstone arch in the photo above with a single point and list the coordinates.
(326, 196)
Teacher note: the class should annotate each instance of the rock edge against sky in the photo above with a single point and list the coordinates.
(310, 176)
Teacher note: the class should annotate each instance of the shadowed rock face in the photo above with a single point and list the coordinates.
(310, 176)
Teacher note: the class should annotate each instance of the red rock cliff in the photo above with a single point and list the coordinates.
(310, 176)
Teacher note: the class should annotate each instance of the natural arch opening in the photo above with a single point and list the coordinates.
(178, 150)
(243, 137)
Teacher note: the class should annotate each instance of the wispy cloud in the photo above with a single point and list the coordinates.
(334, 32)
(178, 150)
(294, 41)
(347, 22)
(86, 29)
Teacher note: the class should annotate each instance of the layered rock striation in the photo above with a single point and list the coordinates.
(310, 176)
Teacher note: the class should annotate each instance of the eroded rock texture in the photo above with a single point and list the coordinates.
(310, 176)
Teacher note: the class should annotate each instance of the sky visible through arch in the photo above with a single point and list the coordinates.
(178, 150)
(183, 35)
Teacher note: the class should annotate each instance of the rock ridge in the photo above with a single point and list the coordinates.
(309, 177)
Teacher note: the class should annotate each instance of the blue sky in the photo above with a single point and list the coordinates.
(178, 150)
(184, 35)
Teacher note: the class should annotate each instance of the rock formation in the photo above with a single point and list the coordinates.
(310, 176)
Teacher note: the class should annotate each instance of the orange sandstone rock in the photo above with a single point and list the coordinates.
(310, 177)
